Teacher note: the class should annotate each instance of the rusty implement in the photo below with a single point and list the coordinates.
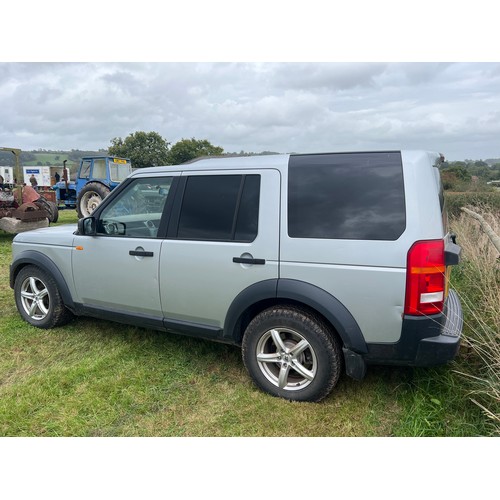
(24, 218)
(28, 212)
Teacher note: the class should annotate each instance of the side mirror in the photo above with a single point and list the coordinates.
(87, 226)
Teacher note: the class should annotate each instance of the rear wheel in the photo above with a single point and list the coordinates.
(38, 299)
(90, 197)
(291, 353)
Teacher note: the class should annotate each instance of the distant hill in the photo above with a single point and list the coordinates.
(56, 158)
(492, 161)
(46, 159)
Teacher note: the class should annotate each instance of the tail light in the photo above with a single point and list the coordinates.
(425, 278)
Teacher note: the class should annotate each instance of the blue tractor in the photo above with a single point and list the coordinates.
(96, 177)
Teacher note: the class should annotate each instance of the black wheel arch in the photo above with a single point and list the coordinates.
(32, 257)
(264, 294)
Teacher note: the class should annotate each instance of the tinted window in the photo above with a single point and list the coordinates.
(220, 207)
(346, 196)
(248, 213)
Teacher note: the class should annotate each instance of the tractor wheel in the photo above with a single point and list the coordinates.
(90, 197)
(50, 207)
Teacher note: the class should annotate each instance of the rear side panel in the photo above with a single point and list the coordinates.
(367, 274)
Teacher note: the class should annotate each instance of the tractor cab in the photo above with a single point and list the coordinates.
(96, 177)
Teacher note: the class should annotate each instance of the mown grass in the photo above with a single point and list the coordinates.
(97, 378)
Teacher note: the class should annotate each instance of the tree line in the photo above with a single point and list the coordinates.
(460, 175)
(147, 149)
(144, 149)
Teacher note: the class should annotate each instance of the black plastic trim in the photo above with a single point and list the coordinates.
(167, 209)
(173, 225)
(192, 329)
(355, 365)
(263, 290)
(330, 307)
(32, 257)
(298, 291)
(138, 253)
(452, 254)
(136, 319)
(153, 322)
(247, 260)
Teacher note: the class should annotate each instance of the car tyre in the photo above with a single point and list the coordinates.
(38, 299)
(291, 353)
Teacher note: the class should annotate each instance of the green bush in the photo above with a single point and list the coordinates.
(454, 201)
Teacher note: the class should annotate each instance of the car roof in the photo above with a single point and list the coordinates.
(238, 162)
(222, 163)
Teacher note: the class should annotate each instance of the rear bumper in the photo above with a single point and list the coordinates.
(444, 347)
(426, 341)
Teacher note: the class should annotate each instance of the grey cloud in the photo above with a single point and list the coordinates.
(453, 108)
(327, 76)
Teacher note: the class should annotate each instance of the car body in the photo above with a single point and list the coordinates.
(311, 263)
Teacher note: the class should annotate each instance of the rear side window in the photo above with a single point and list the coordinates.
(346, 196)
(220, 207)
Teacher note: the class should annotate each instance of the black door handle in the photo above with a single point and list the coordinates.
(247, 260)
(137, 253)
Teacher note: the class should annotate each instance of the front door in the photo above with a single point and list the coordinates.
(117, 269)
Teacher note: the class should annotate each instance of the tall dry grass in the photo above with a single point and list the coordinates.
(477, 280)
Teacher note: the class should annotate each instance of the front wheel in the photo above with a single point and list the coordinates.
(38, 299)
(291, 353)
(90, 197)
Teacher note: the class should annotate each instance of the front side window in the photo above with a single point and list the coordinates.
(136, 212)
(356, 196)
(220, 208)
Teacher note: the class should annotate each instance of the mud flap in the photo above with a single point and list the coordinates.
(355, 364)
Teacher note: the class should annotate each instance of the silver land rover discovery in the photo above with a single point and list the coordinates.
(312, 263)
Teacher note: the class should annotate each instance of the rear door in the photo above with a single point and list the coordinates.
(224, 237)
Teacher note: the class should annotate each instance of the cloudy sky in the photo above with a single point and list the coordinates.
(279, 105)
(453, 108)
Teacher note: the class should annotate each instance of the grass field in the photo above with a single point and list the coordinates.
(97, 378)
